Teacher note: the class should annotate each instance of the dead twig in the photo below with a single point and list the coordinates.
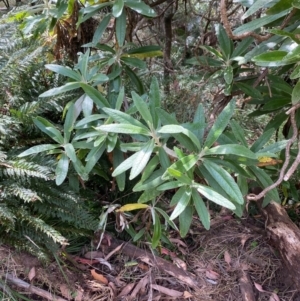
(284, 175)
(33, 289)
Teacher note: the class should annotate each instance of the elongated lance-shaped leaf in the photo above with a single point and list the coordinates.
(225, 180)
(61, 170)
(231, 149)
(220, 124)
(149, 169)
(142, 159)
(183, 165)
(213, 196)
(140, 7)
(121, 28)
(262, 140)
(199, 119)
(70, 152)
(49, 129)
(118, 8)
(156, 230)
(123, 128)
(123, 118)
(38, 149)
(120, 99)
(265, 180)
(69, 123)
(185, 220)
(95, 95)
(183, 197)
(201, 209)
(125, 165)
(65, 88)
(238, 132)
(65, 71)
(86, 120)
(93, 159)
(118, 158)
(176, 129)
(154, 100)
(175, 173)
(101, 28)
(82, 64)
(142, 108)
(226, 44)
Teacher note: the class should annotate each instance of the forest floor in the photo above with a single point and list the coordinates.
(217, 258)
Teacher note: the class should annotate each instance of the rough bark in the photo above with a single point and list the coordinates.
(285, 237)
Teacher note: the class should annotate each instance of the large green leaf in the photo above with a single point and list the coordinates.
(49, 129)
(140, 7)
(65, 71)
(214, 196)
(185, 220)
(61, 170)
(225, 180)
(141, 159)
(231, 149)
(134, 62)
(135, 79)
(154, 100)
(257, 5)
(201, 209)
(262, 140)
(176, 129)
(123, 117)
(183, 165)
(70, 152)
(101, 28)
(93, 157)
(265, 180)
(296, 94)
(142, 107)
(38, 149)
(123, 128)
(181, 198)
(121, 28)
(156, 231)
(259, 22)
(65, 88)
(274, 58)
(118, 8)
(226, 44)
(95, 95)
(125, 165)
(69, 123)
(238, 132)
(220, 124)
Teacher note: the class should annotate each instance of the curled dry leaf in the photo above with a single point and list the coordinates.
(31, 273)
(180, 263)
(99, 277)
(212, 275)
(167, 291)
(227, 257)
(187, 295)
(104, 262)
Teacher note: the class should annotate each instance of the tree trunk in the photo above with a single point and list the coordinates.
(284, 235)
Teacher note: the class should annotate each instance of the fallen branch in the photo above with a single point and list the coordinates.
(32, 289)
(147, 257)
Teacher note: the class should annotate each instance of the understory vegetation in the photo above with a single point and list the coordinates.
(135, 117)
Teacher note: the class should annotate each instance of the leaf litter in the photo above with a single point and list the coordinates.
(216, 258)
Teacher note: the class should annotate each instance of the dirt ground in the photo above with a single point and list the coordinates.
(216, 258)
